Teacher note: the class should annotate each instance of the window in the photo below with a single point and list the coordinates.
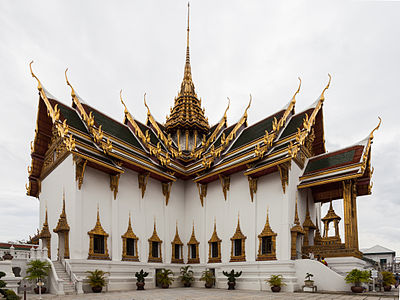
(383, 261)
(154, 249)
(238, 247)
(177, 250)
(98, 244)
(130, 247)
(214, 249)
(266, 247)
(193, 252)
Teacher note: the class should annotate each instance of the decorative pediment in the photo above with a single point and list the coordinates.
(267, 248)
(98, 229)
(154, 237)
(129, 234)
(238, 237)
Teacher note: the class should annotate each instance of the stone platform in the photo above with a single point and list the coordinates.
(214, 294)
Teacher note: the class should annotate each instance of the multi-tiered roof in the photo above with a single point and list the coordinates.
(151, 148)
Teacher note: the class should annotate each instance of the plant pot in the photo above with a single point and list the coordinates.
(36, 289)
(97, 289)
(208, 285)
(187, 284)
(231, 285)
(276, 289)
(140, 285)
(309, 283)
(387, 288)
(165, 286)
(357, 289)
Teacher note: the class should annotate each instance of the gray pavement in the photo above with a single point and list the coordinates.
(213, 294)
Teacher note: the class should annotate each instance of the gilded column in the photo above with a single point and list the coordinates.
(354, 215)
(347, 197)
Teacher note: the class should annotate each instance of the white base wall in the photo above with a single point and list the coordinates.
(254, 274)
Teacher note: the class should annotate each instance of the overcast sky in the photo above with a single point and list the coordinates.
(237, 48)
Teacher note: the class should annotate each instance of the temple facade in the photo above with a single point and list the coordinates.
(125, 195)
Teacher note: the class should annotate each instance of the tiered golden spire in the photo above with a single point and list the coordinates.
(45, 232)
(307, 221)
(187, 112)
(62, 224)
(331, 215)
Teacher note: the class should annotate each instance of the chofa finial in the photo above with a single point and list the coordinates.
(376, 128)
(322, 97)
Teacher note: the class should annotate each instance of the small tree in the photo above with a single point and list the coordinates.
(275, 280)
(164, 278)
(97, 278)
(37, 270)
(388, 278)
(356, 276)
(232, 275)
(208, 277)
(186, 276)
(140, 276)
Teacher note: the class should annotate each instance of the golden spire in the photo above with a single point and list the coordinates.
(187, 113)
(129, 222)
(296, 215)
(45, 233)
(62, 224)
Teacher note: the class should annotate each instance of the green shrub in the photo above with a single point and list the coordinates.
(97, 278)
(356, 276)
(276, 280)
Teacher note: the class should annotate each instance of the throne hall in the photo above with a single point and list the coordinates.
(124, 195)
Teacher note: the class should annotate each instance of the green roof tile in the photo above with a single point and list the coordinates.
(295, 122)
(256, 131)
(330, 161)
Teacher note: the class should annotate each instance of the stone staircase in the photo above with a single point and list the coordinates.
(69, 288)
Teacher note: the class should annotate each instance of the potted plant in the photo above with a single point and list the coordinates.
(356, 276)
(97, 280)
(37, 271)
(308, 282)
(140, 276)
(163, 278)
(387, 280)
(275, 282)
(186, 276)
(208, 277)
(232, 278)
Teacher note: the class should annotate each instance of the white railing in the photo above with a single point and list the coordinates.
(78, 283)
(56, 284)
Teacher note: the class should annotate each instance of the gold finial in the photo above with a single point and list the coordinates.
(215, 224)
(226, 110)
(187, 37)
(129, 222)
(296, 215)
(73, 94)
(122, 101)
(376, 128)
(46, 217)
(98, 213)
(322, 97)
(34, 76)
(298, 90)
(63, 210)
(176, 227)
(145, 104)
(267, 215)
(248, 106)
(155, 224)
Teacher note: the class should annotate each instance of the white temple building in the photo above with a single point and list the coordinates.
(125, 195)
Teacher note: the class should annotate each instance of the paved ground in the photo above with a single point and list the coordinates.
(212, 294)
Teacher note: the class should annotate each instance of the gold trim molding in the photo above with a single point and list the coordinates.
(177, 241)
(98, 230)
(214, 239)
(129, 234)
(238, 235)
(154, 238)
(193, 241)
(267, 232)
